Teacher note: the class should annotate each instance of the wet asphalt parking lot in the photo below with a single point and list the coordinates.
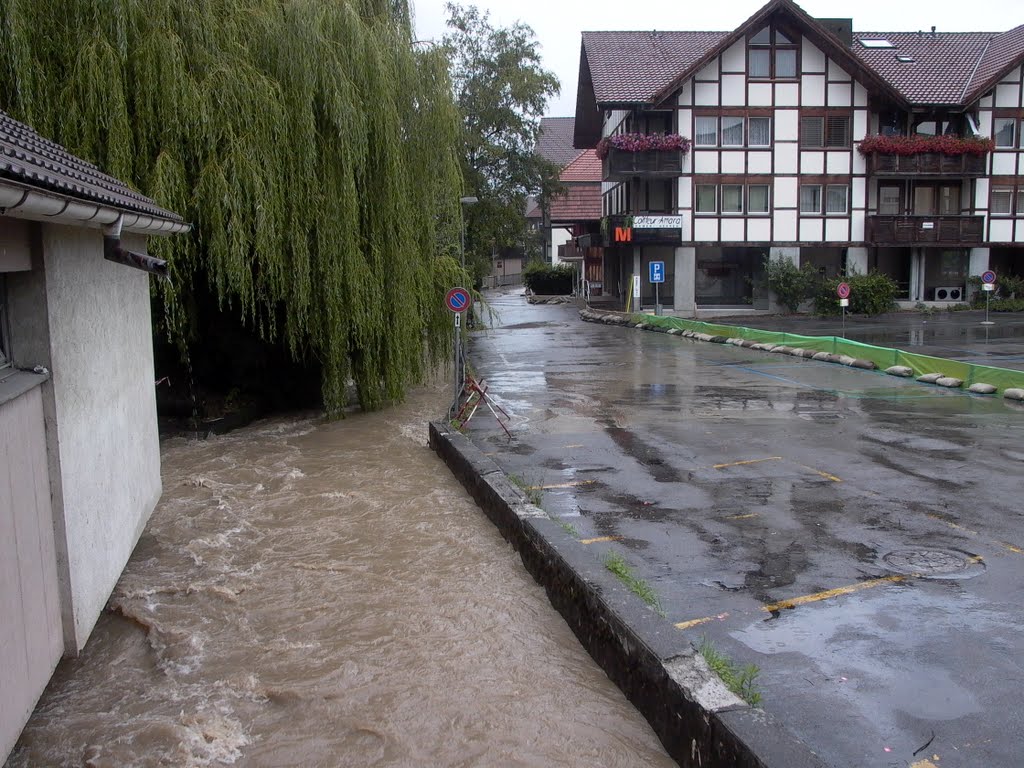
(856, 536)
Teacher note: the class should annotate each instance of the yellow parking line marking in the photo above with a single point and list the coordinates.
(804, 599)
(575, 445)
(1004, 544)
(924, 764)
(1015, 550)
(573, 484)
(599, 539)
(748, 461)
(743, 517)
(830, 593)
(698, 622)
(826, 475)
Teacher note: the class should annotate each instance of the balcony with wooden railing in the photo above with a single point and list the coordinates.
(925, 230)
(928, 164)
(621, 165)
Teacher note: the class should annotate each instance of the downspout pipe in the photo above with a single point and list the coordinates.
(112, 251)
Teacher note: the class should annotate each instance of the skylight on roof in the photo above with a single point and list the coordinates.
(904, 58)
(876, 42)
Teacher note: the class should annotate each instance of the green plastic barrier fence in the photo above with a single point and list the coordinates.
(883, 357)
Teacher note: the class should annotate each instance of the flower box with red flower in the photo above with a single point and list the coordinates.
(627, 155)
(925, 155)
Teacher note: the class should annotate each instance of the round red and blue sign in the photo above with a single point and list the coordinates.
(988, 276)
(458, 300)
(843, 290)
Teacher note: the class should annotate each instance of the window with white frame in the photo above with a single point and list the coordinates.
(757, 198)
(1004, 131)
(732, 198)
(836, 198)
(732, 131)
(736, 131)
(759, 132)
(706, 199)
(832, 132)
(706, 133)
(1020, 202)
(1001, 202)
(810, 198)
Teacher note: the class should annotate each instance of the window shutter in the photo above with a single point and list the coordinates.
(838, 134)
(812, 132)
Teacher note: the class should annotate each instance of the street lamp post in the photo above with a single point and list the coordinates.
(464, 201)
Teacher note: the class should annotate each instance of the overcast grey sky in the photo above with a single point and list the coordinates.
(558, 23)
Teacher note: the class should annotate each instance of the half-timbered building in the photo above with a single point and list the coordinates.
(799, 138)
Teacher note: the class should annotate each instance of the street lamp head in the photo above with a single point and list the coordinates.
(469, 200)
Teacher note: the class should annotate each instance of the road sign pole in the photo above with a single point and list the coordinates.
(657, 300)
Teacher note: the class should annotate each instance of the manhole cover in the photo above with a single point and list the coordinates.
(935, 563)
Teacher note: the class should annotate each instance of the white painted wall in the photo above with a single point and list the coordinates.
(31, 639)
(559, 236)
(88, 321)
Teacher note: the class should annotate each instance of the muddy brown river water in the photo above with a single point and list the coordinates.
(326, 594)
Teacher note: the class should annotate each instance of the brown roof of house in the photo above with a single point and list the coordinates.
(581, 202)
(29, 159)
(646, 67)
(1004, 52)
(942, 68)
(630, 67)
(586, 167)
(533, 210)
(554, 143)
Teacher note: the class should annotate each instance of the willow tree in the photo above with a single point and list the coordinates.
(313, 146)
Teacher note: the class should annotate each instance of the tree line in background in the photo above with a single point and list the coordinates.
(318, 151)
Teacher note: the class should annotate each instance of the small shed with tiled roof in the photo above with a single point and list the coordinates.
(78, 427)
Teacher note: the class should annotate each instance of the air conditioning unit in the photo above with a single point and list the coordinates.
(951, 293)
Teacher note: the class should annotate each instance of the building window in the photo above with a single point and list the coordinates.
(1020, 202)
(810, 198)
(707, 132)
(759, 133)
(832, 132)
(757, 198)
(732, 131)
(836, 198)
(1002, 201)
(1004, 129)
(889, 201)
(732, 198)
(707, 201)
(772, 54)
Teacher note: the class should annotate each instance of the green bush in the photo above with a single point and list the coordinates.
(790, 284)
(1008, 287)
(1007, 305)
(870, 294)
(549, 279)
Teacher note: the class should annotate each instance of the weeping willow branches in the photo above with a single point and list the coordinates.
(314, 148)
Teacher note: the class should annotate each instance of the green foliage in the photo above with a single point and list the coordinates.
(870, 294)
(313, 147)
(549, 279)
(1007, 287)
(740, 680)
(1007, 305)
(790, 284)
(617, 564)
(501, 91)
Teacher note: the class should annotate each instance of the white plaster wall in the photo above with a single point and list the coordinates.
(31, 638)
(612, 119)
(559, 237)
(101, 360)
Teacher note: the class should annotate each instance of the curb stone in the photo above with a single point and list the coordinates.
(698, 720)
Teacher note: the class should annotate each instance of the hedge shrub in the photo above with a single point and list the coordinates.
(549, 279)
(870, 294)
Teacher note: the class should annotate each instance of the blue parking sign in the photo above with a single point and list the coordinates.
(657, 271)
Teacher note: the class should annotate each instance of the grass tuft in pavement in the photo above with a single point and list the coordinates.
(617, 564)
(741, 681)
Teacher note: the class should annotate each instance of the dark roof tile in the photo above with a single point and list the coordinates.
(554, 143)
(29, 159)
(628, 67)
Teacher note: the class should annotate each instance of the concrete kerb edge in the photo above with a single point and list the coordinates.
(620, 318)
(698, 720)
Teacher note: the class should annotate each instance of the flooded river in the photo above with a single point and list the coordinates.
(325, 594)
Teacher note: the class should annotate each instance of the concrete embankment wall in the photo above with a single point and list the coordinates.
(699, 721)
